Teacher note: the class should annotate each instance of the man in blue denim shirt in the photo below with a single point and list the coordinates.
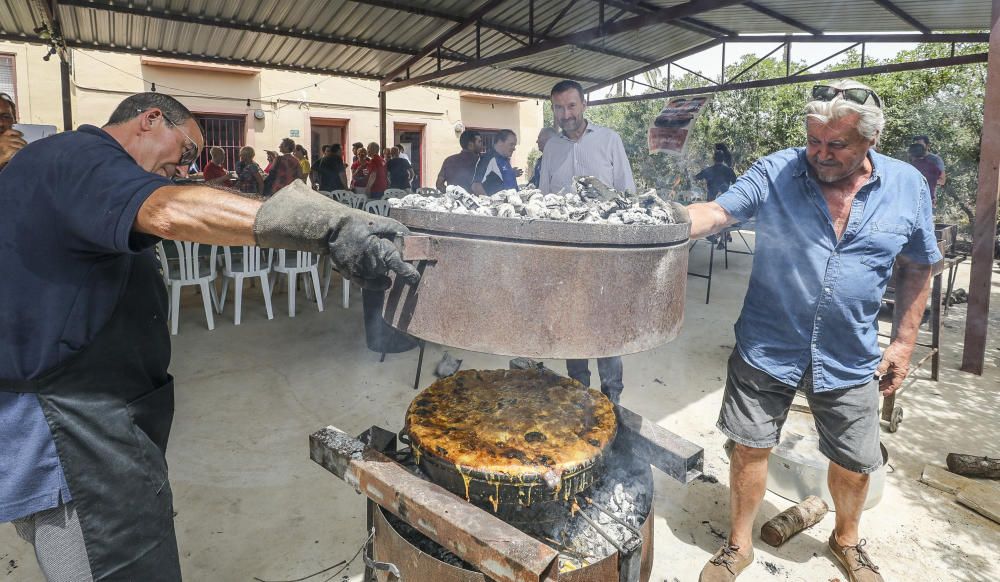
(833, 221)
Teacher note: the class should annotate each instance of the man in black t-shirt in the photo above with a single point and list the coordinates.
(330, 172)
(400, 170)
(718, 177)
(86, 400)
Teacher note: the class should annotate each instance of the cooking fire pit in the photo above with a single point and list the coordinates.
(511, 476)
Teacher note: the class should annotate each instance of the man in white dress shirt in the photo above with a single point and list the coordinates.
(584, 148)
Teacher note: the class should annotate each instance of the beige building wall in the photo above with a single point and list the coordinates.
(290, 101)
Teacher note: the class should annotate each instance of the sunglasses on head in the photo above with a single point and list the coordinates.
(855, 94)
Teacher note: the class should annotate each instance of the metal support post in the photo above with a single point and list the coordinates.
(984, 230)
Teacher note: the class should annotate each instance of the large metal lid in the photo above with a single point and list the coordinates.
(542, 231)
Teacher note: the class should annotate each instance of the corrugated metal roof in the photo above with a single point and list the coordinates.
(370, 38)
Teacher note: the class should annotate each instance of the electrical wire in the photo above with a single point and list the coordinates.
(190, 92)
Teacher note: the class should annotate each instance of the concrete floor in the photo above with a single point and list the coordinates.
(251, 504)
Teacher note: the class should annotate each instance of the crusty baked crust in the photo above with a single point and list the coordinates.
(518, 423)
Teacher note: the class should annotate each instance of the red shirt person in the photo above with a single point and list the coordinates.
(215, 170)
(378, 179)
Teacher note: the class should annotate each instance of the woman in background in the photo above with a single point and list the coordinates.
(302, 156)
(248, 173)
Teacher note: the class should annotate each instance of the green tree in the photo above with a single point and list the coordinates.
(945, 104)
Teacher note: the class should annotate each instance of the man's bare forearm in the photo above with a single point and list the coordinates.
(708, 218)
(912, 288)
(199, 214)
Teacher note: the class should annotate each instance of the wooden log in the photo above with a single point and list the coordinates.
(791, 521)
(981, 497)
(973, 466)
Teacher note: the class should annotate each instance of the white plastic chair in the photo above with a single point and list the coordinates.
(380, 207)
(339, 195)
(190, 269)
(393, 193)
(251, 262)
(428, 191)
(355, 200)
(291, 264)
(345, 285)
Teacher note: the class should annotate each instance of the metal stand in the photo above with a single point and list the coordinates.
(891, 412)
(724, 233)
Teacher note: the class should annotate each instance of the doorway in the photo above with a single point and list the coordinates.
(411, 137)
(326, 132)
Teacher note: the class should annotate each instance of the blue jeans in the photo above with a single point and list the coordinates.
(610, 370)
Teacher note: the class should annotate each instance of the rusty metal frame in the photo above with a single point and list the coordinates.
(494, 547)
(984, 229)
(666, 15)
(474, 17)
(903, 15)
(783, 18)
(791, 80)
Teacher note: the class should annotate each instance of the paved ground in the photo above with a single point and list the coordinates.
(251, 504)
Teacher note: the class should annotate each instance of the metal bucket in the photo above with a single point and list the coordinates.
(540, 289)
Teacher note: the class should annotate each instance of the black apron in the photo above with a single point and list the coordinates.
(109, 408)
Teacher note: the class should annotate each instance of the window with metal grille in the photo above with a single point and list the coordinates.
(8, 76)
(225, 131)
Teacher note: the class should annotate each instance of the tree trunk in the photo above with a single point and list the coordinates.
(793, 520)
(972, 466)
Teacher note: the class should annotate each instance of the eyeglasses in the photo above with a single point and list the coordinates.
(857, 95)
(190, 152)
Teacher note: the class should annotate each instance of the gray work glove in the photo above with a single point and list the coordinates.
(360, 243)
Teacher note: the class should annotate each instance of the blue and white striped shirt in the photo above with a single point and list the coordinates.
(599, 153)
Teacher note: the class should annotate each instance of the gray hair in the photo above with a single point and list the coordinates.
(871, 120)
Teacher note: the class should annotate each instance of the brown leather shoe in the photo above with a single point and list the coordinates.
(855, 561)
(725, 565)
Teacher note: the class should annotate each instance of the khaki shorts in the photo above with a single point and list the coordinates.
(755, 406)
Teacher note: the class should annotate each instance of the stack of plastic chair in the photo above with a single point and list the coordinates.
(251, 262)
(189, 269)
(428, 191)
(355, 200)
(340, 195)
(380, 207)
(393, 193)
(291, 264)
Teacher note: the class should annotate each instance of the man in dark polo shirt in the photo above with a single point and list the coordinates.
(493, 171)
(459, 169)
(86, 401)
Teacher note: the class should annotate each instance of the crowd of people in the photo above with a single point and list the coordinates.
(373, 169)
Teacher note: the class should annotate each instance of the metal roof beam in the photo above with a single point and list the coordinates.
(782, 18)
(690, 24)
(656, 64)
(503, 29)
(690, 8)
(257, 64)
(130, 9)
(877, 70)
(276, 31)
(904, 15)
(712, 29)
(438, 42)
(945, 37)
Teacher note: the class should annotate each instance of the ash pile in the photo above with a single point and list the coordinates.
(593, 202)
(584, 530)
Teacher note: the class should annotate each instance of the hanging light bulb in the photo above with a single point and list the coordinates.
(248, 102)
(438, 96)
(153, 87)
